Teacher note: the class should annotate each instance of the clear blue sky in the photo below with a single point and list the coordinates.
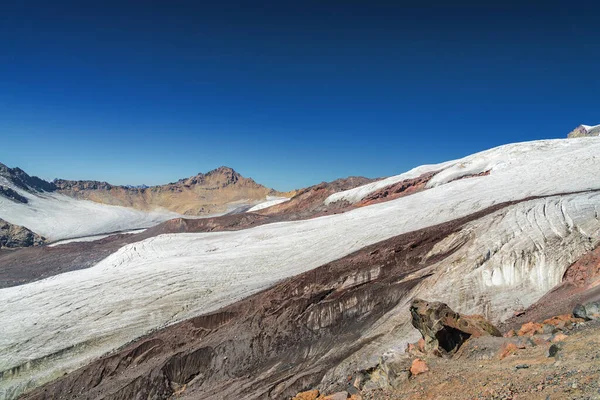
(290, 93)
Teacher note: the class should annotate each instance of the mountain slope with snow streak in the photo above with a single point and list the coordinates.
(269, 202)
(520, 160)
(57, 216)
(83, 314)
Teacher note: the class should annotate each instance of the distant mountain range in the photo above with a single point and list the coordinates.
(217, 191)
(201, 194)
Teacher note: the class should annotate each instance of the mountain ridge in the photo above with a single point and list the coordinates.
(207, 193)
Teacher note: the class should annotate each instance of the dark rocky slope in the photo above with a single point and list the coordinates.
(14, 236)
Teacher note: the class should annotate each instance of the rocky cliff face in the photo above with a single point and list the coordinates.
(22, 180)
(584, 131)
(14, 236)
(201, 194)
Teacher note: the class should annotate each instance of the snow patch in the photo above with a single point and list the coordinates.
(56, 216)
(270, 201)
(589, 128)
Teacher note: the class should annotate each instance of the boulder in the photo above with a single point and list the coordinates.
(587, 311)
(530, 329)
(444, 330)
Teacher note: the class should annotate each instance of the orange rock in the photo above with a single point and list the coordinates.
(559, 338)
(506, 350)
(421, 345)
(418, 367)
(559, 321)
(308, 395)
(530, 329)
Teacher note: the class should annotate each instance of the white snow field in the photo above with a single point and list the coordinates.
(509, 157)
(58, 324)
(358, 193)
(270, 201)
(504, 262)
(56, 216)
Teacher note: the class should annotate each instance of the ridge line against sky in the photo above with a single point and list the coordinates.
(289, 94)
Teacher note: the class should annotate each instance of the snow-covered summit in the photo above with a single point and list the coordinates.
(584, 131)
(589, 128)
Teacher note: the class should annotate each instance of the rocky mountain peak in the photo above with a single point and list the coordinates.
(222, 176)
(21, 179)
(584, 131)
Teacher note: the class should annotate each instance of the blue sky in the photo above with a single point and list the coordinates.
(289, 93)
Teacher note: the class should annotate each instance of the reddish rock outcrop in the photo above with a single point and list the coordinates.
(397, 190)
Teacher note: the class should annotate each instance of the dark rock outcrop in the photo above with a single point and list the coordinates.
(14, 236)
(587, 311)
(12, 195)
(444, 330)
(22, 180)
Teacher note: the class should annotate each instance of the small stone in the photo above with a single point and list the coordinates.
(418, 367)
(421, 345)
(552, 350)
(522, 366)
(548, 329)
(308, 395)
(506, 350)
